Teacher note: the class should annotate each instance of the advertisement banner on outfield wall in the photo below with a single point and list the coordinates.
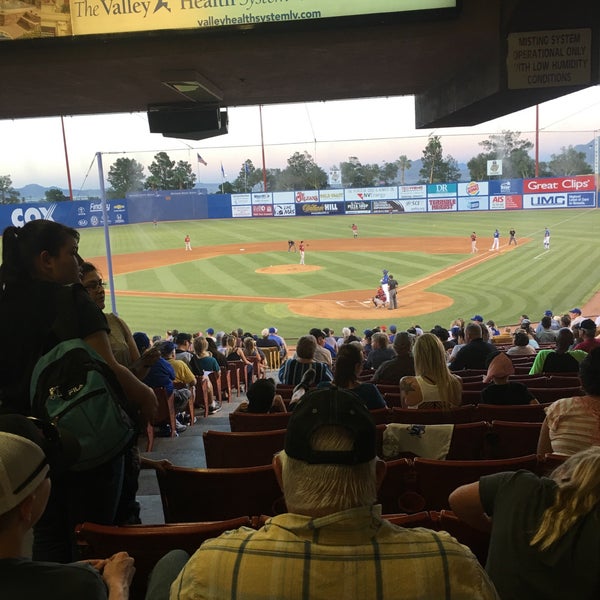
(412, 191)
(389, 206)
(77, 214)
(473, 188)
(371, 193)
(241, 199)
(507, 202)
(559, 200)
(331, 195)
(320, 208)
(415, 205)
(357, 207)
(262, 210)
(307, 196)
(577, 183)
(473, 203)
(241, 211)
(262, 198)
(505, 187)
(283, 197)
(441, 204)
(284, 210)
(441, 190)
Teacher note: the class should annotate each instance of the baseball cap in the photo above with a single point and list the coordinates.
(575, 310)
(588, 325)
(477, 318)
(393, 328)
(142, 341)
(367, 333)
(166, 348)
(548, 313)
(331, 407)
(210, 331)
(29, 448)
(525, 323)
(272, 330)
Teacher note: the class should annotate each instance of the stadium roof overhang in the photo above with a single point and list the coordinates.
(456, 64)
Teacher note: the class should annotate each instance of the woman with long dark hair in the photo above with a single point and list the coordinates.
(39, 292)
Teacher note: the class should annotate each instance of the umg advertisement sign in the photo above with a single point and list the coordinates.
(78, 214)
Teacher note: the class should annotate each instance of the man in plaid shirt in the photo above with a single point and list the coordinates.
(333, 543)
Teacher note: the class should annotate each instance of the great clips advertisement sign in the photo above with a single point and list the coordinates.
(560, 192)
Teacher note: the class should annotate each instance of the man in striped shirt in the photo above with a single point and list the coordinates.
(293, 369)
(333, 543)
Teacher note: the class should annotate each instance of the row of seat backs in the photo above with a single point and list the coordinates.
(190, 495)
(470, 441)
(470, 413)
(148, 543)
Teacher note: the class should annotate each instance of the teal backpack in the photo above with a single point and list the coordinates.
(73, 387)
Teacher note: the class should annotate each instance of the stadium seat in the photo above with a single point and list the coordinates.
(148, 543)
(398, 481)
(273, 357)
(436, 479)
(241, 421)
(431, 416)
(190, 495)
(201, 400)
(531, 413)
(215, 379)
(546, 395)
(469, 396)
(234, 370)
(226, 449)
(509, 439)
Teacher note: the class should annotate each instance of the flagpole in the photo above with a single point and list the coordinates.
(62, 123)
(262, 145)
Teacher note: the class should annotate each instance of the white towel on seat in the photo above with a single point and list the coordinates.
(426, 441)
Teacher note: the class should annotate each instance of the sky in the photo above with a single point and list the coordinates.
(375, 130)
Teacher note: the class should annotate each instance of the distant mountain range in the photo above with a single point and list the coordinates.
(34, 192)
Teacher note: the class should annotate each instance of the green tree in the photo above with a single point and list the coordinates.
(302, 173)
(55, 194)
(248, 177)
(226, 188)
(183, 176)
(8, 195)
(513, 151)
(404, 164)
(355, 174)
(125, 175)
(388, 173)
(435, 168)
(161, 173)
(478, 166)
(569, 162)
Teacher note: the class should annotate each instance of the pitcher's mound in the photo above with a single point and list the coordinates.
(288, 269)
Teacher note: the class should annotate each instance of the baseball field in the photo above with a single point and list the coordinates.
(240, 274)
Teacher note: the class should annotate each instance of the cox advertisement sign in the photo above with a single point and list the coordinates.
(77, 214)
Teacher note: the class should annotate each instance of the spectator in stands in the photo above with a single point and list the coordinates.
(265, 341)
(565, 321)
(458, 337)
(321, 353)
(521, 345)
(554, 324)
(330, 341)
(494, 331)
(561, 359)
(293, 369)
(29, 455)
(587, 336)
(392, 334)
(183, 349)
(347, 369)
(501, 390)
(545, 332)
(572, 424)
(333, 542)
(392, 371)
(203, 363)
(262, 398)
(544, 531)
(250, 350)
(235, 354)
(381, 351)
(576, 316)
(274, 335)
(473, 354)
(367, 341)
(433, 386)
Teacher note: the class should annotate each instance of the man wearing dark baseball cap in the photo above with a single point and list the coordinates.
(333, 541)
(29, 451)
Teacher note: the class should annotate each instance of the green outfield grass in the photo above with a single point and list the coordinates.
(528, 280)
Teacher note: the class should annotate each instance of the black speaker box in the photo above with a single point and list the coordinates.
(189, 122)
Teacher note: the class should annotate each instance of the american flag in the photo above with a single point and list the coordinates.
(202, 161)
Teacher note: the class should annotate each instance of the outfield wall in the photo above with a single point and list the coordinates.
(182, 205)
